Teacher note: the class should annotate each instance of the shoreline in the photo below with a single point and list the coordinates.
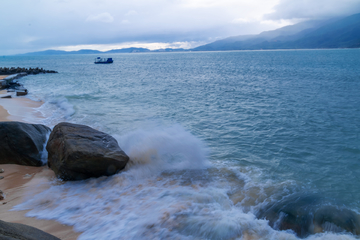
(22, 182)
(20, 109)
(3, 76)
(3, 114)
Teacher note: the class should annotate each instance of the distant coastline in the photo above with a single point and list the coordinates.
(90, 51)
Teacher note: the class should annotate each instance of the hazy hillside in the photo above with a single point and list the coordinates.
(333, 33)
(87, 51)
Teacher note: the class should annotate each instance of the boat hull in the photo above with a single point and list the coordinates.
(99, 60)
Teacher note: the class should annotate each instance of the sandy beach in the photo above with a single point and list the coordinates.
(3, 76)
(19, 108)
(22, 182)
(3, 114)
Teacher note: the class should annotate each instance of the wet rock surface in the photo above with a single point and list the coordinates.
(310, 214)
(16, 231)
(22, 143)
(77, 152)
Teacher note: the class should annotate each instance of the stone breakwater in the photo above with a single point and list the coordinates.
(15, 73)
(13, 70)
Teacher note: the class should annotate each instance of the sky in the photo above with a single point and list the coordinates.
(36, 25)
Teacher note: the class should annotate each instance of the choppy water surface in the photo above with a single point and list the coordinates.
(219, 142)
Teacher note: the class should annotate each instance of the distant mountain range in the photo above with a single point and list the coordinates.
(315, 34)
(89, 51)
(333, 33)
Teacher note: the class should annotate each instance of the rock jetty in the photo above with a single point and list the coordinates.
(13, 70)
(15, 73)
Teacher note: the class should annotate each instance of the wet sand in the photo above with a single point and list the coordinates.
(3, 76)
(3, 114)
(21, 183)
(19, 108)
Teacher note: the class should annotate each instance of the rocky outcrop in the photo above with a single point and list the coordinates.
(310, 214)
(22, 143)
(16, 231)
(77, 152)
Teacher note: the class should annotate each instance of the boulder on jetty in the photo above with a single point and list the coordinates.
(16, 231)
(22, 93)
(77, 152)
(22, 143)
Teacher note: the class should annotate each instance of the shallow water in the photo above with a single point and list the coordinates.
(216, 139)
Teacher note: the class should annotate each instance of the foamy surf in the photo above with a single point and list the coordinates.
(272, 136)
(169, 191)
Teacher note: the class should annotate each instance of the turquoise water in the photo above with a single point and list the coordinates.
(214, 137)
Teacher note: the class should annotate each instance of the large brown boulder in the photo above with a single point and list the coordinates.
(16, 231)
(77, 152)
(22, 143)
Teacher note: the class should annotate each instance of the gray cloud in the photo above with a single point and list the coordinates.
(310, 9)
(43, 24)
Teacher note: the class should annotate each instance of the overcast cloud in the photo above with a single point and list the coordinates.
(313, 9)
(36, 25)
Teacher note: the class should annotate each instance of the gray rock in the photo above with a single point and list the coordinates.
(77, 152)
(21, 93)
(16, 231)
(310, 214)
(22, 143)
(7, 96)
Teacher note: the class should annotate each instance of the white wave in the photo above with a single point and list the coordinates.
(44, 152)
(170, 191)
(55, 110)
(185, 204)
(65, 106)
(164, 148)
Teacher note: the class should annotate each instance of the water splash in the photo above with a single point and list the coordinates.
(164, 148)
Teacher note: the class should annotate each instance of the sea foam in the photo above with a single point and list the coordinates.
(169, 191)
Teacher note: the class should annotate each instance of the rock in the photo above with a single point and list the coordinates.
(21, 93)
(2, 195)
(77, 152)
(3, 84)
(1, 170)
(1, 177)
(16, 231)
(22, 143)
(7, 96)
(310, 214)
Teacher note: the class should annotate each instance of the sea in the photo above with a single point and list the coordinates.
(222, 145)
